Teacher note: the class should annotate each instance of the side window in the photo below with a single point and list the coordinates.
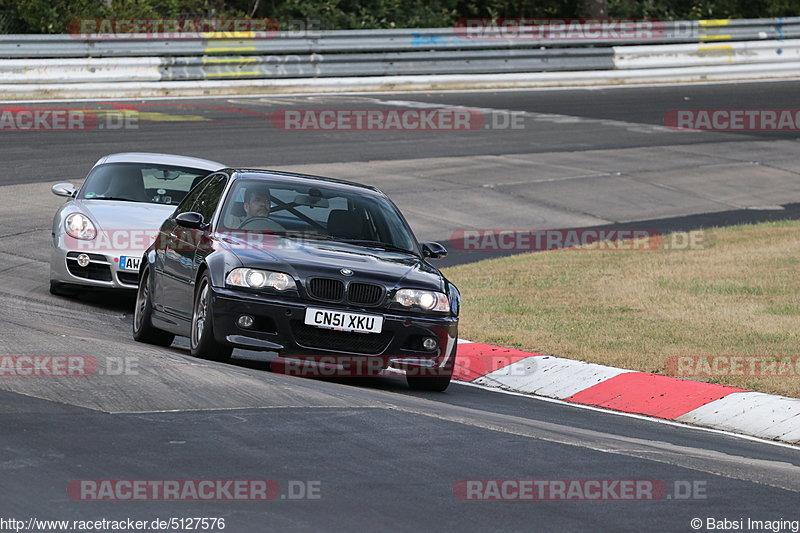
(208, 201)
(188, 202)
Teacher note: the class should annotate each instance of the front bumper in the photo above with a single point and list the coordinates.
(103, 269)
(279, 326)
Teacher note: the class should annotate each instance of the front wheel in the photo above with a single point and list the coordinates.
(143, 329)
(432, 383)
(438, 380)
(202, 339)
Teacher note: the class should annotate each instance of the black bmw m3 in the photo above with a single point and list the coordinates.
(316, 269)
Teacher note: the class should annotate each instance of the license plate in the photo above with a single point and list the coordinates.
(325, 318)
(127, 262)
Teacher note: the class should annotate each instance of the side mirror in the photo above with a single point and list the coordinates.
(64, 189)
(433, 250)
(190, 220)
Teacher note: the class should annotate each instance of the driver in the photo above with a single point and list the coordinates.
(256, 204)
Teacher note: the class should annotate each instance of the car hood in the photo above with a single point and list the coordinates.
(304, 259)
(116, 215)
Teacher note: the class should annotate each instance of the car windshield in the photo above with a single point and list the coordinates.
(141, 182)
(316, 212)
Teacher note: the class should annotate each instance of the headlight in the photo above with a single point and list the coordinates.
(79, 226)
(258, 279)
(427, 300)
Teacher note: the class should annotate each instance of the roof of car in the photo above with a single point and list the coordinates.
(299, 178)
(163, 159)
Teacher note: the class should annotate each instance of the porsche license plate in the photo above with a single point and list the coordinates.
(127, 262)
(338, 320)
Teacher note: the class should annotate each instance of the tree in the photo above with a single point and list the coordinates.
(594, 9)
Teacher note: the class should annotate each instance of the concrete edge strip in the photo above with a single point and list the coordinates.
(693, 402)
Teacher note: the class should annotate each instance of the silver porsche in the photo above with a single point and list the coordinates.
(104, 227)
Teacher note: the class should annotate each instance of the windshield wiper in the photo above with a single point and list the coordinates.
(359, 242)
(111, 198)
(303, 235)
(378, 244)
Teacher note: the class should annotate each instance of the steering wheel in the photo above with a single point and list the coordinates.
(256, 220)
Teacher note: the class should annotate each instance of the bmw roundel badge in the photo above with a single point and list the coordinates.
(346, 272)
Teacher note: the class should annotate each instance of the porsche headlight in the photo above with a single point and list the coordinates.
(252, 278)
(79, 226)
(427, 300)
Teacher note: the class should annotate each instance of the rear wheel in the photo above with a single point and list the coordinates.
(202, 341)
(143, 329)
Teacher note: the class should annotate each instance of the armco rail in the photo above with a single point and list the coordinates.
(41, 66)
(361, 41)
(706, 54)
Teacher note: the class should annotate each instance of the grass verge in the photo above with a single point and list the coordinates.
(736, 295)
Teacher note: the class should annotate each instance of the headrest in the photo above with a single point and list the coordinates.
(237, 209)
(345, 224)
(127, 183)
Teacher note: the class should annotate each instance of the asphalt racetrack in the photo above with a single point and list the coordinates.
(370, 454)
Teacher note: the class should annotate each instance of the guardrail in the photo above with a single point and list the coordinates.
(707, 54)
(392, 40)
(32, 65)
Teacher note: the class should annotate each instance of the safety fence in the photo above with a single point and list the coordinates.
(54, 65)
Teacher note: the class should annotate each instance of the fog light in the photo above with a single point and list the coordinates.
(83, 260)
(245, 321)
(429, 343)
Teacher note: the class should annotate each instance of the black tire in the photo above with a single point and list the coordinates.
(62, 289)
(438, 380)
(429, 383)
(143, 329)
(201, 338)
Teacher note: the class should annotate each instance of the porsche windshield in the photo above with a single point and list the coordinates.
(141, 182)
(316, 212)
